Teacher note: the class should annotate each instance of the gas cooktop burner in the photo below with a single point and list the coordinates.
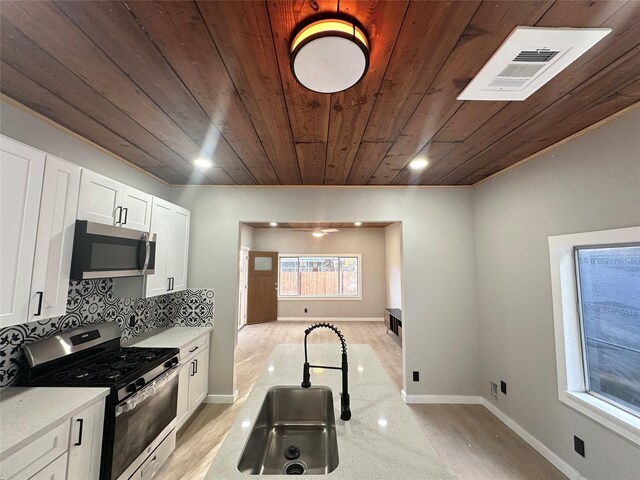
(109, 367)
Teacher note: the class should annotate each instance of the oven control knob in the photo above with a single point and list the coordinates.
(131, 387)
(140, 382)
(171, 363)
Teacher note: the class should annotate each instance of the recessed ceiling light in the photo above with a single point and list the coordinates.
(329, 56)
(382, 422)
(357, 224)
(273, 224)
(203, 162)
(318, 234)
(418, 163)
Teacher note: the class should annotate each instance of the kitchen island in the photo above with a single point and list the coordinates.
(382, 440)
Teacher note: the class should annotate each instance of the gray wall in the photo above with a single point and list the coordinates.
(393, 264)
(438, 267)
(590, 183)
(369, 242)
(28, 129)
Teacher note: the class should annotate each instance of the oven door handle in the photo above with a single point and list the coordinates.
(147, 252)
(151, 389)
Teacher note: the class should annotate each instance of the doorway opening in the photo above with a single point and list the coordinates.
(348, 274)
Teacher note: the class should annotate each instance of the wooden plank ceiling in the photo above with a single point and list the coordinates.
(161, 83)
(319, 225)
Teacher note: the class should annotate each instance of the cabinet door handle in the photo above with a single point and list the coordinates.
(196, 360)
(126, 214)
(173, 282)
(40, 296)
(194, 349)
(79, 442)
(118, 215)
(193, 368)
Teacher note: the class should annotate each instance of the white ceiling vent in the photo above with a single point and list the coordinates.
(528, 59)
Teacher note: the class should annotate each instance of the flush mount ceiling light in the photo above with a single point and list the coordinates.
(318, 234)
(273, 224)
(329, 56)
(357, 224)
(202, 162)
(418, 164)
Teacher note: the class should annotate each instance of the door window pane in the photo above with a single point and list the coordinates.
(262, 263)
(609, 283)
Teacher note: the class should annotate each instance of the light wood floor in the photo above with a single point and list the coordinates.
(471, 441)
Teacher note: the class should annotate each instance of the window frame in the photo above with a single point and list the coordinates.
(322, 297)
(570, 356)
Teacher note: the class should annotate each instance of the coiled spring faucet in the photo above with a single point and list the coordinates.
(345, 410)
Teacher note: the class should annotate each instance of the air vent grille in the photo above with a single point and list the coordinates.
(529, 58)
(508, 82)
(525, 70)
(541, 55)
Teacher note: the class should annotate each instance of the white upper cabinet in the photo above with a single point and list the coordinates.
(179, 251)
(21, 173)
(54, 242)
(170, 223)
(158, 283)
(104, 200)
(136, 209)
(100, 199)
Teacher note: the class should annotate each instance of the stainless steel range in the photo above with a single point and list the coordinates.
(140, 417)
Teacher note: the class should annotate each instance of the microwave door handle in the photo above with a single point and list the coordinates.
(147, 253)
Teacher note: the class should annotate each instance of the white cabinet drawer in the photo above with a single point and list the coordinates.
(191, 350)
(32, 458)
(56, 470)
(152, 464)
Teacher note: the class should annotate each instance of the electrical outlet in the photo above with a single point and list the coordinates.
(578, 445)
(416, 376)
(503, 387)
(305, 310)
(494, 390)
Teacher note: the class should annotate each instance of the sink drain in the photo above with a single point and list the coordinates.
(295, 468)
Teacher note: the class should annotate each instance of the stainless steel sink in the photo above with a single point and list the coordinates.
(292, 417)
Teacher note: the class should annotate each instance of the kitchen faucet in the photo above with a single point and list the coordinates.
(345, 411)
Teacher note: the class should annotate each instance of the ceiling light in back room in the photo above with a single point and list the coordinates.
(318, 234)
(329, 56)
(202, 162)
(418, 164)
(357, 224)
(273, 224)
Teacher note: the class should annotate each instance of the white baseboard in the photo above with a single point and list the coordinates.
(559, 463)
(330, 319)
(221, 398)
(423, 399)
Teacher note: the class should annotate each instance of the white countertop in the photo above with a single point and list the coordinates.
(28, 412)
(382, 440)
(168, 337)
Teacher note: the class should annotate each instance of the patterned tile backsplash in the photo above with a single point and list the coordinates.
(92, 301)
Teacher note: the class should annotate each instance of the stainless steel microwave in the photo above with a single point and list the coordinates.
(105, 251)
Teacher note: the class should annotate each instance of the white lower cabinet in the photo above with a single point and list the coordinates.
(56, 470)
(193, 383)
(85, 443)
(70, 451)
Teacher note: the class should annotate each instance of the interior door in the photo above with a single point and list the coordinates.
(262, 302)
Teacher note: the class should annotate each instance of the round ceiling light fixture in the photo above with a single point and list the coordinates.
(329, 56)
